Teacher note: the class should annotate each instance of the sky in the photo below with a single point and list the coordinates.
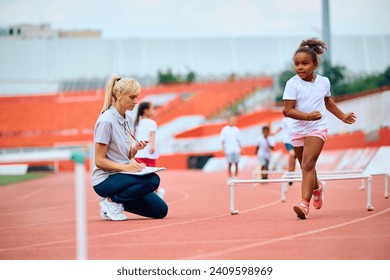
(200, 18)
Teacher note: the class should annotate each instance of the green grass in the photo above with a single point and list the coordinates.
(9, 179)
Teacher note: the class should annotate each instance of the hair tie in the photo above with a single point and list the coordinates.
(118, 79)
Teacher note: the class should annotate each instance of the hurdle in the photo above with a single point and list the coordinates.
(340, 172)
(327, 172)
(80, 191)
(298, 174)
(386, 175)
(234, 182)
(293, 174)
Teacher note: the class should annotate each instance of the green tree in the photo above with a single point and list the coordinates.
(386, 77)
(282, 80)
(285, 76)
(339, 84)
(191, 77)
(335, 74)
(167, 77)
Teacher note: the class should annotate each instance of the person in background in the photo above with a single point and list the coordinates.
(231, 145)
(265, 145)
(286, 127)
(114, 153)
(145, 130)
(306, 100)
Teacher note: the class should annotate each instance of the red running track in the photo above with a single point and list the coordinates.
(38, 222)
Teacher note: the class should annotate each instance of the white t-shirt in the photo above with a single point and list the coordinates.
(309, 97)
(264, 146)
(230, 135)
(287, 125)
(144, 127)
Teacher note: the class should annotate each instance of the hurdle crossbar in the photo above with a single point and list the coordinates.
(326, 172)
(80, 190)
(297, 175)
(292, 173)
(235, 182)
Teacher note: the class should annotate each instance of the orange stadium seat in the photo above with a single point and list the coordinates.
(49, 120)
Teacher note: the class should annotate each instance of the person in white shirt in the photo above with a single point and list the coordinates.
(286, 127)
(306, 100)
(231, 145)
(265, 145)
(145, 130)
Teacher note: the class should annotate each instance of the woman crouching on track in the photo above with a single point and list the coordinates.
(114, 153)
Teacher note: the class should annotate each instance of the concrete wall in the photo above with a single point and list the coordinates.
(25, 62)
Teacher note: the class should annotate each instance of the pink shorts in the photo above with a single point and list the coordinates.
(297, 139)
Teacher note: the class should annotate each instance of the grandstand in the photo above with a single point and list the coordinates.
(190, 118)
(188, 137)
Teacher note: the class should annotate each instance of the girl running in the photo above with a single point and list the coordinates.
(306, 99)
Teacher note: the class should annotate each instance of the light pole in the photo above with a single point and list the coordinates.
(326, 29)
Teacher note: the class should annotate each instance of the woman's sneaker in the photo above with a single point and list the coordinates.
(103, 214)
(160, 192)
(318, 195)
(302, 209)
(111, 210)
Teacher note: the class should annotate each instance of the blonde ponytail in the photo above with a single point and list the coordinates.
(121, 86)
(108, 98)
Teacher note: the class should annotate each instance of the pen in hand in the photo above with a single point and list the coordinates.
(132, 136)
(139, 142)
(141, 163)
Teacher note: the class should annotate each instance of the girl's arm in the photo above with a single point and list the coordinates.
(331, 106)
(152, 142)
(289, 108)
(104, 163)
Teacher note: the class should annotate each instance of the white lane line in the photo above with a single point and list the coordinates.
(184, 198)
(134, 230)
(205, 242)
(288, 237)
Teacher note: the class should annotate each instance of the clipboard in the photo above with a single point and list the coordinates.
(145, 171)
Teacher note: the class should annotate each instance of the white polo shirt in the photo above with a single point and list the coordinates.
(110, 130)
(309, 97)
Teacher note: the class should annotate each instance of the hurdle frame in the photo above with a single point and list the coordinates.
(340, 172)
(232, 183)
(80, 190)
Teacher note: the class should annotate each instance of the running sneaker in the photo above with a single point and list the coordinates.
(318, 195)
(112, 210)
(302, 209)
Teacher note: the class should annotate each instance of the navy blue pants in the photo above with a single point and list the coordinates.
(136, 193)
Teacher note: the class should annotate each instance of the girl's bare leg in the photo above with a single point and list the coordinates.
(311, 150)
